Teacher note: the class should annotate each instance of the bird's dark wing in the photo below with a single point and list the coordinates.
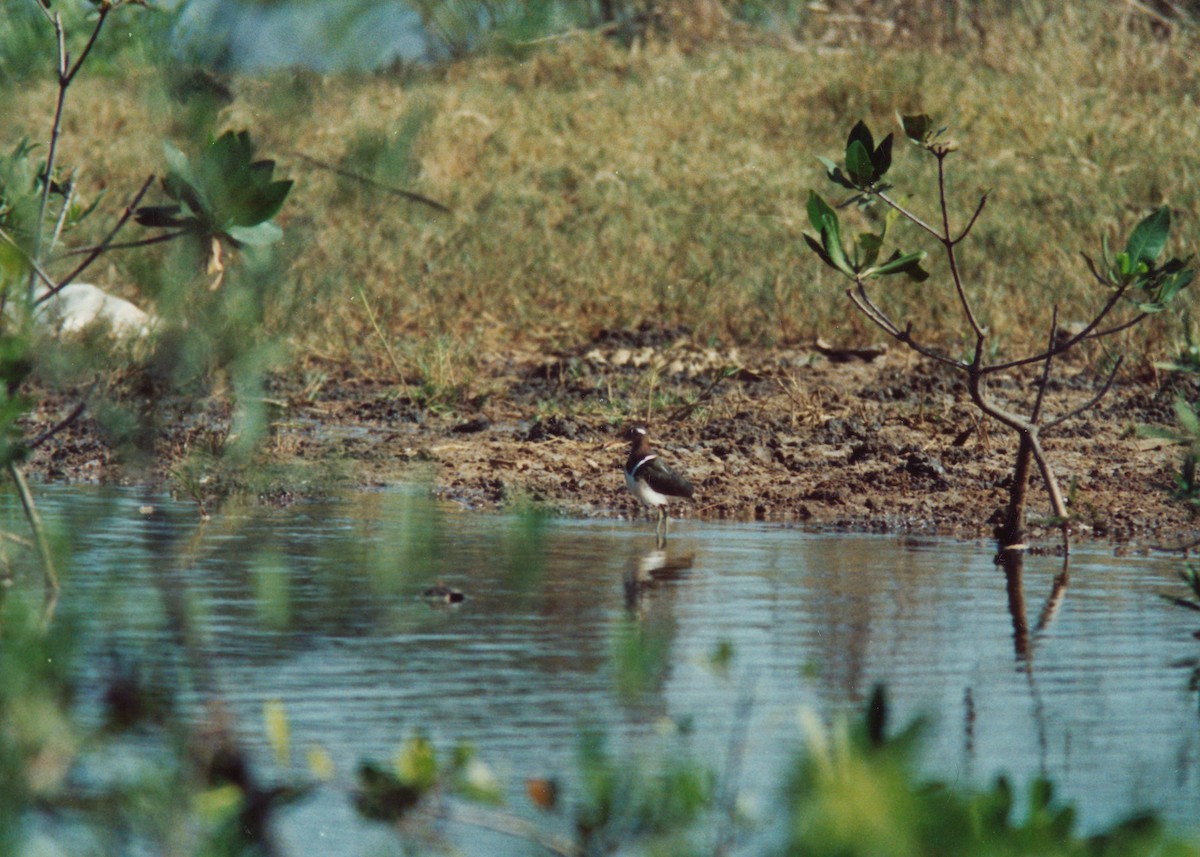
(664, 479)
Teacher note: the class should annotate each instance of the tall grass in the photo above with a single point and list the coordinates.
(593, 185)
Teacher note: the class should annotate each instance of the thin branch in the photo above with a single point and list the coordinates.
(35, 524)
(872, 309)
(44, 8)
(1051, 482)
(1092, 267)
(126, 245)
(61, 221)
(952, 258)
(65, 76)
(39, 273)
(1045, 379)
(55, 130)
(975, 386)
(87, 49)
(1123, 326)
(971, 223)
(1091, 403)
(65, 421)
(406, 194)
(1088, 332)
(95, 252)
(903, 336)
(912, 217)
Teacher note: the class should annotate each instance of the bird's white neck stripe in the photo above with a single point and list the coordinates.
(633, 470)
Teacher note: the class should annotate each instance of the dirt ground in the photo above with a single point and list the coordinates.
(835, 440)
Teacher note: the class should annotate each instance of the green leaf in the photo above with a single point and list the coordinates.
(1186, 416)
(916, 127)
(818, 210)
(177, 163)
(869, 245)
(256, 236)
(860, 133)
(1105, 254)
(831, 239)
(881, 158)
(224, 191)
(909, 264)
(1172, 286)
(835, 174)
(819, 250)
(416, 763)
(1149, 237)
(830, 166)
(858, 164)
(160, 216)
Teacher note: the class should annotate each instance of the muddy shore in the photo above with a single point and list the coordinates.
(863, 441)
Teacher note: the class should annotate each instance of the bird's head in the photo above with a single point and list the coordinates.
(634, 433)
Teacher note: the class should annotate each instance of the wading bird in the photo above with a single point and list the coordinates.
(650, 479)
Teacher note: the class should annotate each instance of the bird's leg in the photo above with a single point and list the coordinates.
(661, 529)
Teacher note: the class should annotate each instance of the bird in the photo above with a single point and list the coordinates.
(650, 479)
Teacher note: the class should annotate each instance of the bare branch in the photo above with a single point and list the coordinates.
(881, 318)
(1091, 403)
(52, 151)
(87, 49)
(1045, 379)
(1092, 267)
(1100, 334)
(971, 223)
(1088, 332)
(35, 524)
(36, 270)
(1057, 503)
(61, 222)
(65, 421)
(903, 336)
(95, 252)
(952, 258)
(910, 216)
(370, 182)
(162, 238)
(65, 76)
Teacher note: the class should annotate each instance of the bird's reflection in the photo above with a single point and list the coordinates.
(651, 570)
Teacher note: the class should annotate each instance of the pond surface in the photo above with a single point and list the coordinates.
(318, 607)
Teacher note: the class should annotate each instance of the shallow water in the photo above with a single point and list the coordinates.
(318, 607)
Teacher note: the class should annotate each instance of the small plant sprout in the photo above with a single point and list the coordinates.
(1135, 282)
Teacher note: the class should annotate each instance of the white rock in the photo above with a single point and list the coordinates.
(79, 305)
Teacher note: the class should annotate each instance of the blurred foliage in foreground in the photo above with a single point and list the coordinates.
(186, 785)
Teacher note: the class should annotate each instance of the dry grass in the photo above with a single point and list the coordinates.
(593, 186)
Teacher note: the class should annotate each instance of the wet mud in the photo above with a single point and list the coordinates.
(857, 440)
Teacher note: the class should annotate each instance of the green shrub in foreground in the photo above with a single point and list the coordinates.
(855, 794)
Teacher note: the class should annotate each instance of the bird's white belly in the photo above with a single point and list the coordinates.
(647, 495)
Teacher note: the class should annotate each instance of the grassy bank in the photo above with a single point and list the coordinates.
(595, 186)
